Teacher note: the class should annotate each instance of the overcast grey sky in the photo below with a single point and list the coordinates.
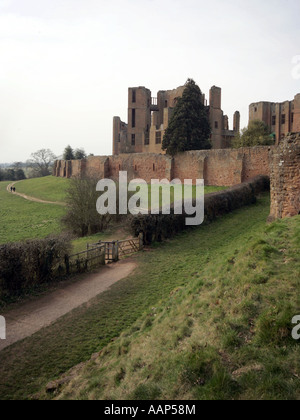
(66, 65)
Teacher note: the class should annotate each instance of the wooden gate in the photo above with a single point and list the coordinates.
(128, 247)
(86, 260)
(111, 251)
(120, 249)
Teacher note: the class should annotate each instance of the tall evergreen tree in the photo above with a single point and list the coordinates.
(68, 153)
(189, 127)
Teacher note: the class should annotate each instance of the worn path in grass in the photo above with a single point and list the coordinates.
(29, 198)
(30, 317)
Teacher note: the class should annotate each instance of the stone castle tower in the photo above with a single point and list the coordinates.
(282, 118)
(148, 118)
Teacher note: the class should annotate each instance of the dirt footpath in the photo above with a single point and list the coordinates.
(30, 317)
(34, 199)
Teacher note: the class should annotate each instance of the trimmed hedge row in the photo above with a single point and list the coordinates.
(160, 227)
(27, 264)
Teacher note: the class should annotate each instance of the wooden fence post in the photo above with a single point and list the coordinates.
(141, 244)
(102, 254)
(115, 251)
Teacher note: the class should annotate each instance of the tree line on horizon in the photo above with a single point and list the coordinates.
(39, 165)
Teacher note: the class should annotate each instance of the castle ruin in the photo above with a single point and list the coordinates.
(137, 148)
(148, 118)
(285, 178)
(282, 118)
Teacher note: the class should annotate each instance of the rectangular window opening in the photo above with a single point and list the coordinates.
(158, 137)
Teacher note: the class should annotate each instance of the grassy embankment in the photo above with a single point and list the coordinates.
(223, 333)
(206, 315)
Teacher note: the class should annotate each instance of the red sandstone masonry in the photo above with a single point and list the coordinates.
(285, 178)
(256, 161)
(189, 165)
(144, 166)
(224, 168)
(97, 166)
(217, 167)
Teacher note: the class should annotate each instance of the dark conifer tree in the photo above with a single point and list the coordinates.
(189, 127)
(68, 153)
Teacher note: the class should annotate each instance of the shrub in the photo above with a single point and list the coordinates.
(160, 227)
(27, 264)
(257, 134)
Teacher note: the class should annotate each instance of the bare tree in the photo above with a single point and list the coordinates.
(41, 162)
(82, 217)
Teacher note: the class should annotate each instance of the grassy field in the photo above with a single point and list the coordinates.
(211, 320)
(22, 219)
(54, 189)
(48, 188)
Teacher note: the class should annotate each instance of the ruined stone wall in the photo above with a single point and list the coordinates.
(255, 161)
(97, 166)
(144, 166)
(189, 165)
(282, 118)
(285, 178)
(222, 167)
(217, 167)
(77, 168)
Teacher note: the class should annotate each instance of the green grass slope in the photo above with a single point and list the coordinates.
(224, 333)
(214, 301)
(22, 219)
(49, 188)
